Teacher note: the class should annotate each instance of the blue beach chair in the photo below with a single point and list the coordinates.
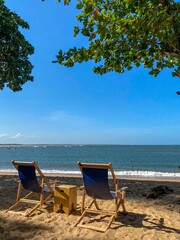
(28, 180)
(95, 179)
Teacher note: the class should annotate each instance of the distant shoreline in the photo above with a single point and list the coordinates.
(79, 144)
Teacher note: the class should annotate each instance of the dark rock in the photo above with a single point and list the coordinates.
(178, 201)
(158, 191)
(1, 229)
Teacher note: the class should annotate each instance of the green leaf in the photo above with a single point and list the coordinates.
(125, 33)
(15, 67)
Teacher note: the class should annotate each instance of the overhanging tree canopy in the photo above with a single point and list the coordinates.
(15, 67)
(127, 33)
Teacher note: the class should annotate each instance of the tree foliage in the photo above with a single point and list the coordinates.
(127, 33)
(15, 67)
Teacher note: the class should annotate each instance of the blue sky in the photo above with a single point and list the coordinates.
(76, 106)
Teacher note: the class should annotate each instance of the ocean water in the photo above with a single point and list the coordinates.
(127, 160)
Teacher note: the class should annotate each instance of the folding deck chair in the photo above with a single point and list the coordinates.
(28, 179)
(95, 178)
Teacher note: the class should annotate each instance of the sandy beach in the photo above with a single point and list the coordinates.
(146, 219)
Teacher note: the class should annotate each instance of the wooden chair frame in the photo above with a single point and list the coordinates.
(118, 200)
(41, 200)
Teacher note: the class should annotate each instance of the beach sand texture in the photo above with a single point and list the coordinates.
(147, 219)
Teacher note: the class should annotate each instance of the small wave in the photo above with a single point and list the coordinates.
(150, 174)
(7, 170)
(129, 174)
(61, 172)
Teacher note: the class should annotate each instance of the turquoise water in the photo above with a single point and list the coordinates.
(127, 160)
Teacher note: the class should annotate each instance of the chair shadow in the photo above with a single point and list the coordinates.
(137, 220)
(134, 220)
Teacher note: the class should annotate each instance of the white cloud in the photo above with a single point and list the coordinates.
(61, 116)
(18, 135)
(15, 136)
(3, 135)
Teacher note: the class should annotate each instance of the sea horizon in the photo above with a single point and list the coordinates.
(78, 144)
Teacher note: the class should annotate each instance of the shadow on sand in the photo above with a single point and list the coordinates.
(136, 220)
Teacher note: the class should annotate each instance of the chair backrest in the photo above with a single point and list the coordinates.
(27, 175)
(95, 177)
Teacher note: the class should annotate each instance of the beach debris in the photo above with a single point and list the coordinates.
(158, 191)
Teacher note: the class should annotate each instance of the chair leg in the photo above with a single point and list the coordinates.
(18, 197)
(32, 210)
(95, 203)
(79, 220)
(123, 206)
(13, 206)
(122, 200)
(91, 203)
(83, 199)
(19, 191)
(28, 195)
(36, 195)
(38, 205)
(41, 198)
(42, 192)
(116, 206)
(110, 222)
(99, 229)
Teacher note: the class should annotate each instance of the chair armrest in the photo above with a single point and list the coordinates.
(124, 189)
(52, 182)
(49, 185)
(81, 187)
(121, 192)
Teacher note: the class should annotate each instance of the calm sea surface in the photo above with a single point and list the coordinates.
(127, 160)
